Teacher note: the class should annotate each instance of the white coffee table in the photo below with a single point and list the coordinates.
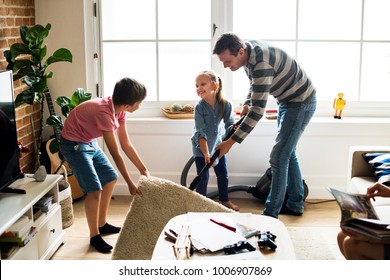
(284, 251)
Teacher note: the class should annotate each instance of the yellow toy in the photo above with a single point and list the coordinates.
(338, 105)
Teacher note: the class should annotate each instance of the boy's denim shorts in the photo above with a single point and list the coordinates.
(89, 164)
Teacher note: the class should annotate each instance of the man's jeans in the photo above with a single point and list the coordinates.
(286, 174)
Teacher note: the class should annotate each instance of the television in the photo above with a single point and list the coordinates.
(9, 149)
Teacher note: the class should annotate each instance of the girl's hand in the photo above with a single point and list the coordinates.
(207, 158)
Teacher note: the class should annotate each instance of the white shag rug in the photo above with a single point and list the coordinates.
(148, 215)
(315, 243)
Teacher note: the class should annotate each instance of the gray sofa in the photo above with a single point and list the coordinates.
(361, 176)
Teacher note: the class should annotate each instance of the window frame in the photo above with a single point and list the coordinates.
(221, 12)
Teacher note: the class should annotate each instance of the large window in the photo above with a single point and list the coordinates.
(343, 45)
(161, 43)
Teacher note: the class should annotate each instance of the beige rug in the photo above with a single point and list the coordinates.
(148, 215)
(315, 243)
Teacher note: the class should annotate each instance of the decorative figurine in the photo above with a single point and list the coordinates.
(338, 105)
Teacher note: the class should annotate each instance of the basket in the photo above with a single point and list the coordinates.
(177, 115)
(65, 199)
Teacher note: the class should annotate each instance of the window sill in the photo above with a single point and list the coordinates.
(319, 126)
(331, 120)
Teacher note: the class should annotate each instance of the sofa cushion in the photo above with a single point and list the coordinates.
(380, 164)
(360, 184)
(383, 212)
(381, 201)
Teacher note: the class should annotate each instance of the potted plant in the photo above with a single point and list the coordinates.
(28, 60)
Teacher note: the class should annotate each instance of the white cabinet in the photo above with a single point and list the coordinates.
(49, 233)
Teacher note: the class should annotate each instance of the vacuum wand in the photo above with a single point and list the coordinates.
(199, 177)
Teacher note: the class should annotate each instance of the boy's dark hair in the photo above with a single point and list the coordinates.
(228, 41)
(128, 91)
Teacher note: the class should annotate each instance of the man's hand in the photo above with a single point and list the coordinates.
(225, 147)
(244, 110)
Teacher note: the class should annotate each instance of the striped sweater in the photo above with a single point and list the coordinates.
(271, 71)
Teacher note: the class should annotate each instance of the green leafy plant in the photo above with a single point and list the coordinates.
(66, 105)
(28, 60)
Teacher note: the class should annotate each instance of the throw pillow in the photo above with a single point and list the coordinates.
(380, 164)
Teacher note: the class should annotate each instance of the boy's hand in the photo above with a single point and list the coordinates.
(135, 191)
(145, 172)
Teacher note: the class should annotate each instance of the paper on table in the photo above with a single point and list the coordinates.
(214, 237)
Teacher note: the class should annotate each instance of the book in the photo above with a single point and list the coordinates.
(358, 215)
(37, 212)
(45, 208)
(45, 201)
(27, 239)
(50, 208)
(19, 240)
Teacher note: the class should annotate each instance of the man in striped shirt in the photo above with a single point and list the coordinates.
(271, 71)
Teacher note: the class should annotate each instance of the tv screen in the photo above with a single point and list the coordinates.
(9, 149)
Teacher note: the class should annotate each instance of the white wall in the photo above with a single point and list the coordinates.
(70, 30)
(164, 145)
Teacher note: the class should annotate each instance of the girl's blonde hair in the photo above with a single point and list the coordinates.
(216, 79)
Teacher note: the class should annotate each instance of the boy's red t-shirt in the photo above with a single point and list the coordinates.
(90, 119)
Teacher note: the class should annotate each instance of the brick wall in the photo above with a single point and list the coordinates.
(15, 13)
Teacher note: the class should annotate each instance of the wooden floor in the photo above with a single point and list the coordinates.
(318, 215)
